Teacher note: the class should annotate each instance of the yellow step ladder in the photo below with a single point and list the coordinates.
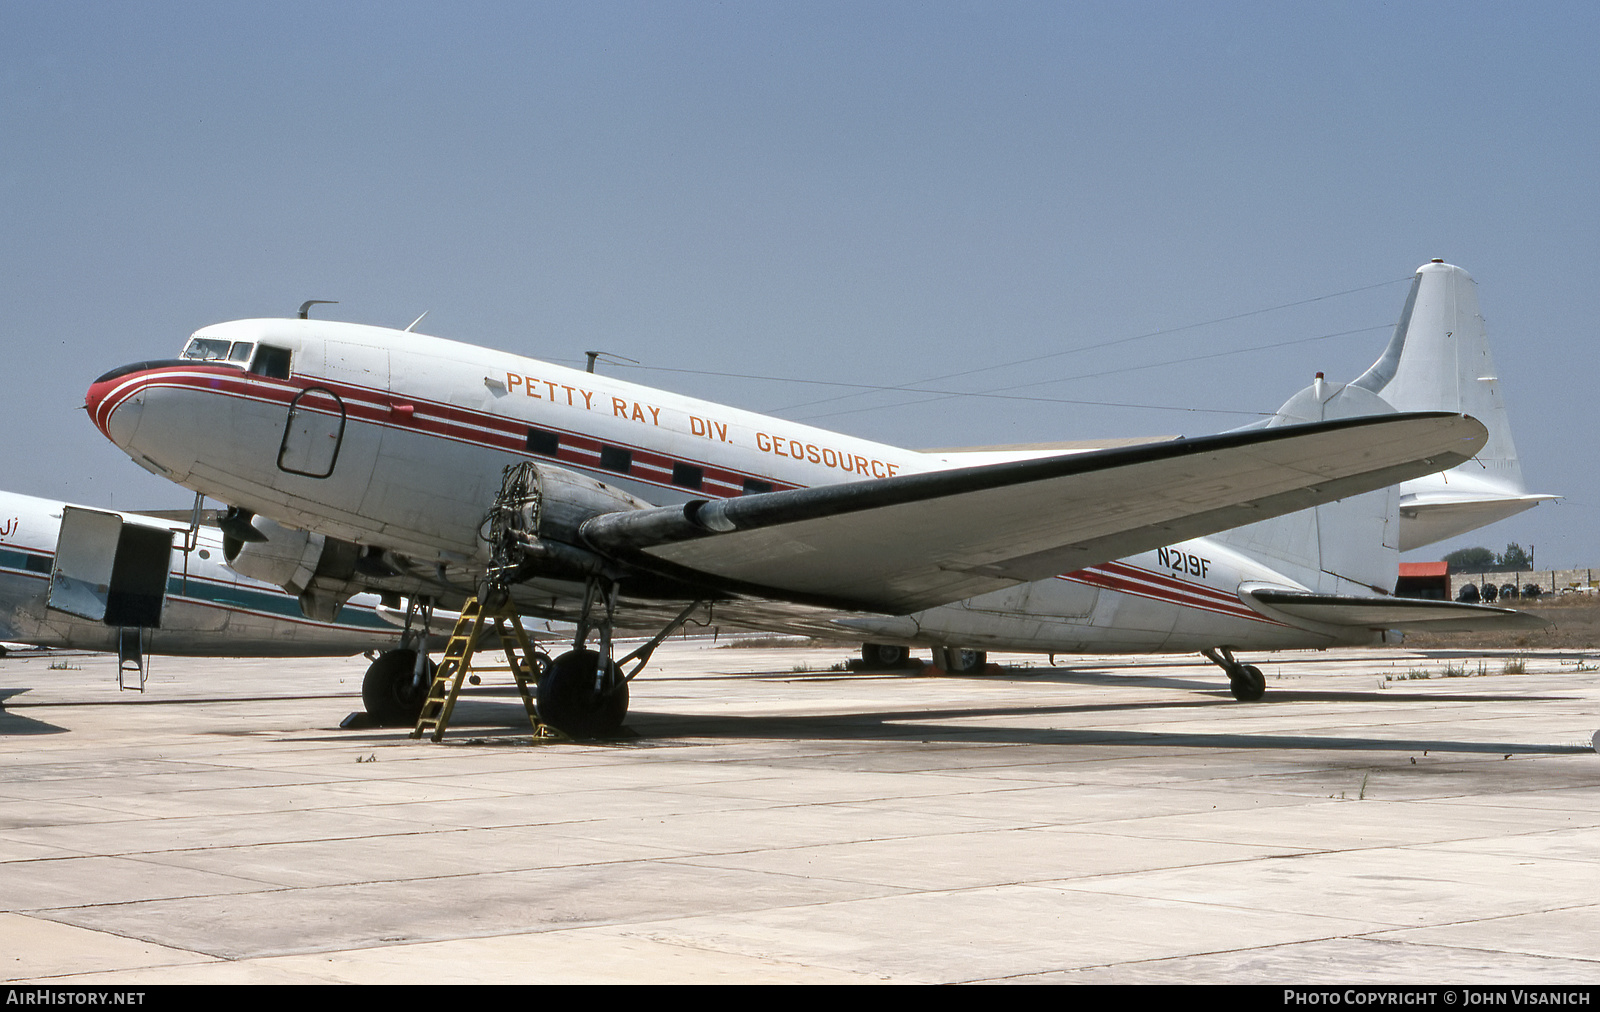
(460, 659)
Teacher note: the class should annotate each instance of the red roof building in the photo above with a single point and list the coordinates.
(1429, 580)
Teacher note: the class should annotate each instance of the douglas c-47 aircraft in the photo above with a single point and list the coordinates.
(361, 458)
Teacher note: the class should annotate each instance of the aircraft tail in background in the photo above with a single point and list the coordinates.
(1438, 359)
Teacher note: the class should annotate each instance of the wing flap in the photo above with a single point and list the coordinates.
(902, 544)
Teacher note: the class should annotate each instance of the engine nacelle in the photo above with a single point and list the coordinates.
(320, 570)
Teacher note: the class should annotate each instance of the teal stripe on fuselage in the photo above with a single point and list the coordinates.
(25, 561)
(235, 595)
(208, 591)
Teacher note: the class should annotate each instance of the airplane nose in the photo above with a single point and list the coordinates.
(141, 408)
(115, 402)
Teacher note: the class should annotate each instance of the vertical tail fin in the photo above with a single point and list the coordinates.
(1439, 360)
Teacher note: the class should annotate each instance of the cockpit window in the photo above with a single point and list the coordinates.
(215, 349)
(207, 349)
(272, 362)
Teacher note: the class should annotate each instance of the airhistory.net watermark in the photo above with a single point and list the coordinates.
(70, 996)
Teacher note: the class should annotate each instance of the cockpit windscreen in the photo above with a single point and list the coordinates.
(213, 349)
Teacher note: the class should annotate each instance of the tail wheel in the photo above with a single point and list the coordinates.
(1249, 684)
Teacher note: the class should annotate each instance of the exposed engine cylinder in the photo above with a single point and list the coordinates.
(567, 499)
(533, 526)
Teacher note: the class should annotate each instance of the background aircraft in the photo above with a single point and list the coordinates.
(149, 597)
(365, 458)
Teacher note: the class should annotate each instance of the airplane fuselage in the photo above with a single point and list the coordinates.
(388, 438)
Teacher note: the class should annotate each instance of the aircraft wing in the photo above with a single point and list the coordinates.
(902, 544)
(1394, 612)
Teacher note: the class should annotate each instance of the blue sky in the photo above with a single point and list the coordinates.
(837, 193)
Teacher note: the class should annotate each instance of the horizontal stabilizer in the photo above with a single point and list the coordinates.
(1391, 612)
(1429, 517)
(901, 544)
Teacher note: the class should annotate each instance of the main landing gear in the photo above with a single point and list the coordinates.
(578, 698)
(959, 660)
(950, 660)
(1246, 680)
(884, 655)
(584, 693)
(396, 683)
(393, 691)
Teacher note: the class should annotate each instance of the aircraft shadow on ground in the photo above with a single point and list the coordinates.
(14, 723)
(482, 720)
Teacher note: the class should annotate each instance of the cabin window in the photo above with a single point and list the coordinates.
(615, 458)
(271, 362)
(755, 486)
(543, 442)
(240, 352)
(687, 475)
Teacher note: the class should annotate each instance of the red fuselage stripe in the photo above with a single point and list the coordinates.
(1145, 585)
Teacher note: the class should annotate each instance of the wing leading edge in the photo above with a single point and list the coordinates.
(902, 544)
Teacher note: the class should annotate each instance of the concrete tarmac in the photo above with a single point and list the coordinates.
(1383, 816)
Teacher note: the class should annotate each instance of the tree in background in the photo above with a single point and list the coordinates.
(1480, 560)
(1515, 558)
(1471, 560)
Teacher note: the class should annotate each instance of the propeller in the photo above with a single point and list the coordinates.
(236, 530)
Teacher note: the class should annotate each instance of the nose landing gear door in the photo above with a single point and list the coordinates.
(115, 573)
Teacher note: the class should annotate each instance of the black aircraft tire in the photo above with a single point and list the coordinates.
(1250, 684)
(884, 655)
(387, 691)
(567, 699)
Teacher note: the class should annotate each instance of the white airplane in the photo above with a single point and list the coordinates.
(90, 579)
(369, 458)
